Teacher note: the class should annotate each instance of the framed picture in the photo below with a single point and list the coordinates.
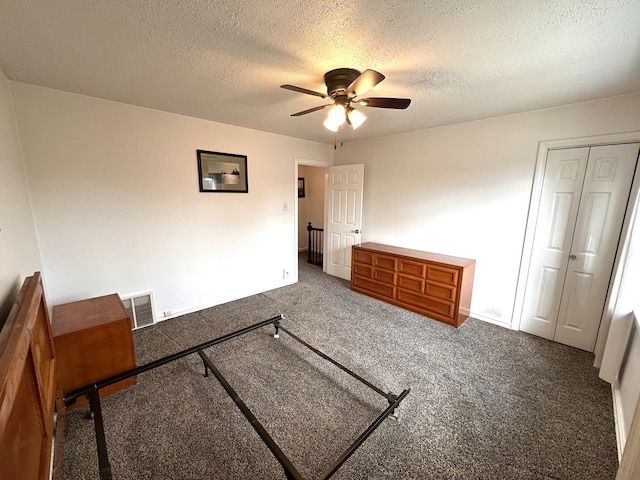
(222, 172)
(300, 187)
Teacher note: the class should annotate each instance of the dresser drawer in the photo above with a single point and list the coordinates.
(384, 261)
(443, 292)
(416, 269)
(363, 256)
(411, 283)
(443, 308)
(441, 274)
(373, 287)
(384, 276)
(363, 270)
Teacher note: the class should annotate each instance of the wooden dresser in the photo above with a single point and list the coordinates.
(437, 286)
(93, 341)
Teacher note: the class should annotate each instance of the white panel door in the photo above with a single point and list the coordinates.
(584, 197)
(344, 226)
(562, 185)
(602, 207)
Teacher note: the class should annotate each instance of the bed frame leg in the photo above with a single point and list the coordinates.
(206, 369)
(277, 334)
(394, 414)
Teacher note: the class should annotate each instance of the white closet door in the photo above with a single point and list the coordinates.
(584, 197)
(562, 185)
(602, 207)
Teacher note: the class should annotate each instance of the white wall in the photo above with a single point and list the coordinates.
(117, 207)
(19, 255)
(628, 386)
(621, 359)
(464, 189)
(311, 207)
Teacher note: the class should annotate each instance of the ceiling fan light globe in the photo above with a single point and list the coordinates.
(337, 115)
(335, 118)
(330, 126)
(356, 118)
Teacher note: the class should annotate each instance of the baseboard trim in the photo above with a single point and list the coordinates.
(492, 321)
(621, 436)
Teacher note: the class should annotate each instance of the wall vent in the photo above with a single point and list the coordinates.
(140, 308)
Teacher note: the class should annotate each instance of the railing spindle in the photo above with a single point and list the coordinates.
(315, 245)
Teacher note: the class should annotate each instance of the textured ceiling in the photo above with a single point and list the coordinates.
(458, 60)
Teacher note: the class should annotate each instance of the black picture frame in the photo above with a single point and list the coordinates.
(222, 172)
(300, 187)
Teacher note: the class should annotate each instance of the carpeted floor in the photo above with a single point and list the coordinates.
(485, 402)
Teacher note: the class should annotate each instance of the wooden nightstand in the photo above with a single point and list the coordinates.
(93, 341)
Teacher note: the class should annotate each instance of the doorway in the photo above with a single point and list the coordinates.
(314, 173)
(583, 196)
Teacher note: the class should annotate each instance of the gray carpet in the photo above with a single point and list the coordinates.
(485, 402)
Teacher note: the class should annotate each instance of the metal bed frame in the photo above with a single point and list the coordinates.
(92, 393)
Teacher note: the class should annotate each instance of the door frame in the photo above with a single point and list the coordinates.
(532, 215)
(309, 163)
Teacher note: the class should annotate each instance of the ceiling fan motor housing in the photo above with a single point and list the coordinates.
(338, 80)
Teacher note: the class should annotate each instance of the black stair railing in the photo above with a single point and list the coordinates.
(315, 245)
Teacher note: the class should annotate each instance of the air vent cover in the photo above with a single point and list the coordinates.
(140, 308)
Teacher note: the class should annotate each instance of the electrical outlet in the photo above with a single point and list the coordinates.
(285, 273)
(167, 313)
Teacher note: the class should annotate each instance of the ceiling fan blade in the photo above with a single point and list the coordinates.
(303, 90)
(314, 109)
(365, 82)
(382, 102)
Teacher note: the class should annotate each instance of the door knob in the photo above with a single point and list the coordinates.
(572, 257)
(356, 231)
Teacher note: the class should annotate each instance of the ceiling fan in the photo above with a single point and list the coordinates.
(343, 86)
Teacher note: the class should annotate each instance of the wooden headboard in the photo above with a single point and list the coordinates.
(29, 388)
